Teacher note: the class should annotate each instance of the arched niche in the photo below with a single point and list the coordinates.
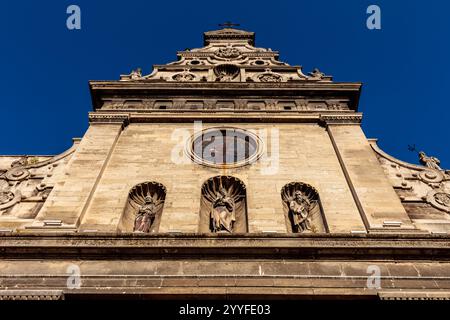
(223, 206)
(302, 208)
(144, 208)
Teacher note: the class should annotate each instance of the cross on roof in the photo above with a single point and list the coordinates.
(229, 24)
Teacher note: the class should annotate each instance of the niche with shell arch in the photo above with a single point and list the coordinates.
(302, 209)
(223, 206)
(146, 201)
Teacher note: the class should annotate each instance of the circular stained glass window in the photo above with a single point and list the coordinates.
(225, 147)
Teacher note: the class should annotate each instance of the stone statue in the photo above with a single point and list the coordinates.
(300, 207)
(222, 213)
(136, 74)
(145, 216)
(430, 162)
(317, 74)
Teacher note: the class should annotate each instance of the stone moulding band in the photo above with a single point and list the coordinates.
(320, 246)
(341, 119)
(164, 117)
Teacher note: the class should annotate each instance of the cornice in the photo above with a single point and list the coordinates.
(154, 85)
(109, 118)
(346, 119)
(101, 90)
(180, 116)
(360, 246)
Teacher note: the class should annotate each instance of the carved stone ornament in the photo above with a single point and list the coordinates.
(184, 76)
(228, 53)
(226, 72)
(317, 74)
(8, 198)
(442, 198)
(270, 77)
(17, 171)
(431, 176)
(439, 199)
(19, 162)
(17, 174)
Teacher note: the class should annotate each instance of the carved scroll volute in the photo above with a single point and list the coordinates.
(144, 208)
(223, 207)
(302, 208)
(18, 170)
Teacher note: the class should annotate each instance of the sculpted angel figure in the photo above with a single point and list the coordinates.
(222, 213)
(300, 207)
(145, 216)
(430, 162)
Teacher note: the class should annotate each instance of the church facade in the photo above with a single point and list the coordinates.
(227, 174)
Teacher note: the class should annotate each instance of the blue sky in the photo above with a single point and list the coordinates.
(404, 66)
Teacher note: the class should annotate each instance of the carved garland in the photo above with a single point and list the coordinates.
(270, 76)
(184, 76)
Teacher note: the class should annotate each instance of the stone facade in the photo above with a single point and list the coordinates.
(310, 212)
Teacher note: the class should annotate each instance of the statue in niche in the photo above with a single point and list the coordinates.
(302, 208)
(299, 209)
(223, 206)
(222, 213)
(145, 215)
(430, 162)
(144, 208)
